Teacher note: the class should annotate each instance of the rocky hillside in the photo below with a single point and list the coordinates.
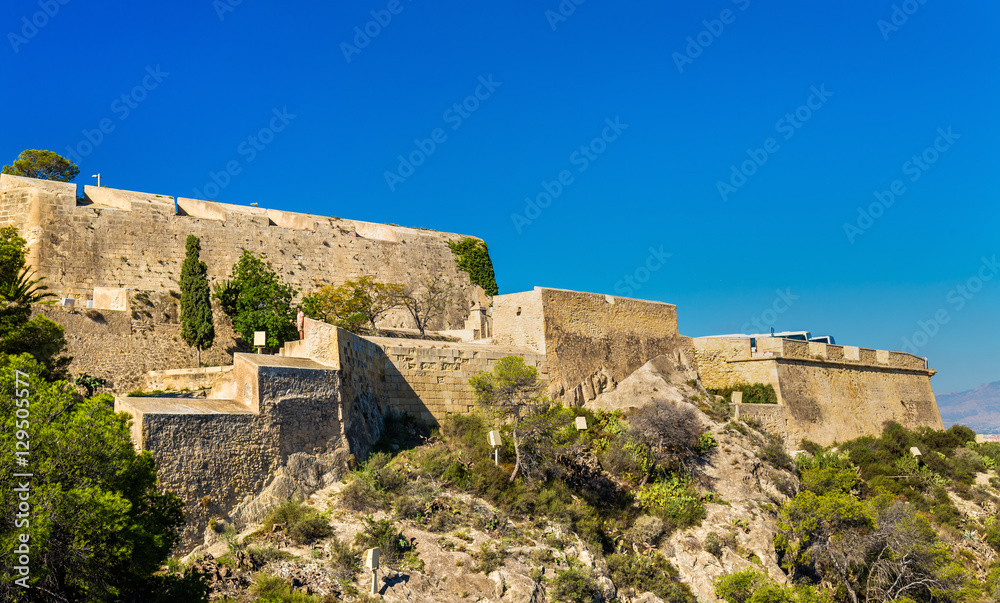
(460, 547)
(613, 513)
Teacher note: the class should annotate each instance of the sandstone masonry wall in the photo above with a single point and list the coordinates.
(227, 458)
(430, 380)
(591, 341)
(135, 240)
(427, 379)
(123, 346)
(827, 393)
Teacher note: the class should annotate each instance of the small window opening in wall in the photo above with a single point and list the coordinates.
(519, 310)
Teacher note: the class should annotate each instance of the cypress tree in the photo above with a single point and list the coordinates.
(197, 327)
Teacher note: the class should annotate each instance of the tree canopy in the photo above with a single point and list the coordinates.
(97, 528)
(197, 325)
(256, 299)
(19, 333)
(356, 305)
(511, 393)
(45, 165)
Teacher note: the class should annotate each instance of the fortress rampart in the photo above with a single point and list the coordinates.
(275, 427)
(827, 393)
(130, 240)
(592, 341)
(278, 426)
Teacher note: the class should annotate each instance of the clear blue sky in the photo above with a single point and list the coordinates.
(827, 104)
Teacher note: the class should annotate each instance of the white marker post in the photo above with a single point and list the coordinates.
(371, 562)
(495, 442)
(259, 340)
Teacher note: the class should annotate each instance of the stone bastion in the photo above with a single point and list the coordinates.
(107, 242)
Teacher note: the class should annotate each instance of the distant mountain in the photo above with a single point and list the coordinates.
(978, 408)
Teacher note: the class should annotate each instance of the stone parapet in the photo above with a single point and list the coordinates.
(130, 240)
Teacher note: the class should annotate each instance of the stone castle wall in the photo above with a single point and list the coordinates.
(124, 239)
(428, 380)
(591, 341)
(285, 427)
(122, 347)
(827, 393)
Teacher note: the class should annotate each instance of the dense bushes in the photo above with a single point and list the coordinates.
(948, 459)
(753, 586)
(641, 573)
(589, 481)
(386, 536)
(753, 393)
(574, 586)
(303, 524)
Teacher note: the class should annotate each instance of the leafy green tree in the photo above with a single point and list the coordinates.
(256, 299)
(12, 254)
(45, 165)
(197, 326)
(90, 383)
(19, 333)
(354, 305)
(97, 528)
(879, 549)
(511, 393)
(753, 586)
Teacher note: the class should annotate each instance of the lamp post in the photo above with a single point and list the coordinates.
(98, 176)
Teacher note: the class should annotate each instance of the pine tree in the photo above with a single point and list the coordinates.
(197, 327)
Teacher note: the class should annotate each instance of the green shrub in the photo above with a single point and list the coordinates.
(706, 442)
(753, 393)
(738, 587)
(574, 586)
(673, 500)
(271, 589)
(302, 523)
(310, 529)
(773, 452)
(490, 558)
(384, 535)
(640, 573)
(713, 545)
(992, 536)
(343, 562)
